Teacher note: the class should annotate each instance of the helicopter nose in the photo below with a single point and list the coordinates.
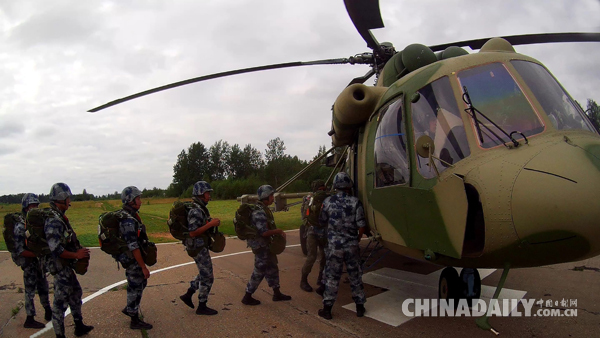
(556, 200)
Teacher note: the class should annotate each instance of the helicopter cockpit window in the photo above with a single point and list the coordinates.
(435, 114)
(494, 93)
(391, 161)
(556, 102)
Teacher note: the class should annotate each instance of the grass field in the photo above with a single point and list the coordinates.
(154, 212)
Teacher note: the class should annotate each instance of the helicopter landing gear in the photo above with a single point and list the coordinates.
(482, 322)
(449, 285)
(303, 239)
(470, 285)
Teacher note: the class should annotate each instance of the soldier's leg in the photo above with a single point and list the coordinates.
(42, 286)
(272, 270)
(75, 296)
(311, 257)
(352, 259)
(30, 282)
(136, 283)
(321, 244)
(205, 276)
(260, 268)
(62, 290)
(333, 273)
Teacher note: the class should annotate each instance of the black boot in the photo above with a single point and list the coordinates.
(304, 284)
(205, 310)
(138, 324)
(60, 336)
(81, 328)
(325, 312)
(278, 296)
(31, 323)
(187, 298)
(48, 313)
(360, 310)
(124, 311)
(321, 290)
(248, 300)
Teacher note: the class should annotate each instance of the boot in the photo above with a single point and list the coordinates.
(60, 336)
(304, 284)
(278, 296)
(48, 313)
(248, 300)
(325, 312)
(124, 311)
(31, 323)
(360, 310)
(81, 328)
(205, 310)
(321, 290)
(187, 298)
(138, 324)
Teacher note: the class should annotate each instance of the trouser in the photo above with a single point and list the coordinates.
(34, 278)
(136, 283)
(67, 293)
(265, 266)
(205, 278)
(333, 272)
(314, 246)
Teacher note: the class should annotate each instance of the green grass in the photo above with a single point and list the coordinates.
(154, 213)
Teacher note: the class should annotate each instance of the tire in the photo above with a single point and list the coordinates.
(303, 239)
(449, 286)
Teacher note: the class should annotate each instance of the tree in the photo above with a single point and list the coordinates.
(275, 150)
(191, 166)
(218, 154)
(593, 112)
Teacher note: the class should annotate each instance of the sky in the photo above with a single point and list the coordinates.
(61, 58)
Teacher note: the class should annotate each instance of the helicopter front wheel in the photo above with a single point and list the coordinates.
(449, 286)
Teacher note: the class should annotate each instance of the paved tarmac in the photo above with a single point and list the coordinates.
(105, 297)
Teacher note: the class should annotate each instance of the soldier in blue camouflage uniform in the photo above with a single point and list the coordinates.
(265, 262)
(64, 248)
(132, 230)
(316, 240)
(344, 216)
(33, 274)
(199, 223)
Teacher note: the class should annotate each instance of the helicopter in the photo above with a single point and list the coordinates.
(472, 160)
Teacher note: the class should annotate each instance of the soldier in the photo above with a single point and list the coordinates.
(316, 235)
(133, 231)
(64, 249)
(344, 216)
(33, 274)
(265, 262)
(199, 222)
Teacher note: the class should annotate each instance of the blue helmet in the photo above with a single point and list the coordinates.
(129, 194)
(200, 188)
(29, 199)
(342, 181)
(264, 191)
(60, 192)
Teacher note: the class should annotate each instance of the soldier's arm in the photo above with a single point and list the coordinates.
(130, 236)
(324, 216)
(195, 220)
(360, 219)
(259, 219)
(19, 237)
(53, 228)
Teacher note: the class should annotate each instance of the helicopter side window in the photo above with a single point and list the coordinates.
(435, 114)
(559, 106)
(494, 93)
(391, 161)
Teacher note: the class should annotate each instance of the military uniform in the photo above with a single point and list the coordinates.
(265, 262)
(316, 241)
(198, 216)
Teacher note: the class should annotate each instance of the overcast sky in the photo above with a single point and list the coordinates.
(61, 58)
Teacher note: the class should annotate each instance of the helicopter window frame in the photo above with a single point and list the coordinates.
(392, 143)
(492, 142)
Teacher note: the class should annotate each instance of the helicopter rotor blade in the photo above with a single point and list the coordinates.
(365, 15)
(525, 39)
(223, 74)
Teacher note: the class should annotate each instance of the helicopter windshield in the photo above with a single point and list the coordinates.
(435, 114)
(391, 161)
(552, 97)
(494, 92)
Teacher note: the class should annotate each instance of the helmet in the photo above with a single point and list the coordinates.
(60, 192)
(264, 191)
(342, 181)
(201, 187)
(129, 194)
(29, 199)
(316, 184)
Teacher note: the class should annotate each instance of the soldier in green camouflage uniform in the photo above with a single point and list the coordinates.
(344, 216)
(316, 238)
(199, 223)
(33, 274)
(64, 248)
(265, 262)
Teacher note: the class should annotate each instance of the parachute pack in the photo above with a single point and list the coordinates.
(178, 223)
(36, 237)
(314, 208)
(10, 220)
(243, 221)
(109, 234)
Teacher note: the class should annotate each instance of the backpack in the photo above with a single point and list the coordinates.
(314, 208)
(36, 237)
(304, 206)
(178, 223)
(109, 234)
(10, 220)
(243, 221)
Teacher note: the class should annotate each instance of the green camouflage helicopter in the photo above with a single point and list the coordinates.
(473, 160)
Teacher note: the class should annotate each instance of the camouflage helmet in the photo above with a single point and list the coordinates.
(316, 184)
(129, 194)
(200, 188)
(60, 192)
(342, 181)
(264, 191)
(29, 199)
